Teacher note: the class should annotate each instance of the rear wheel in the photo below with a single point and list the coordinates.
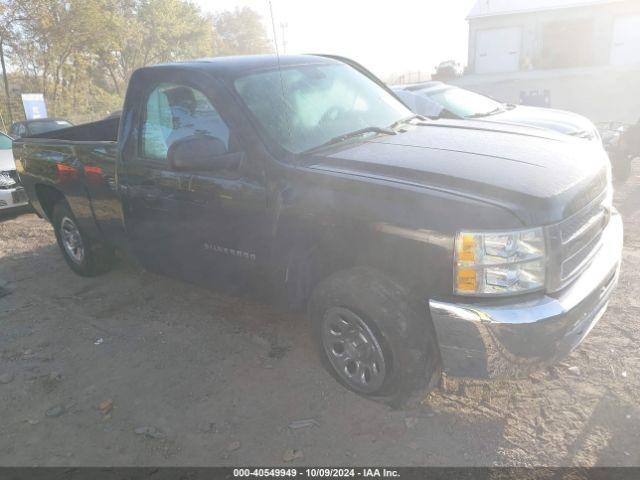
(85, 256)
(374, 338)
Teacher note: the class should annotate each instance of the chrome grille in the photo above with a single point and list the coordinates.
(7, 174)
(5, 177)
(574, 242)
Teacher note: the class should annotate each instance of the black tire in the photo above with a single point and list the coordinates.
(400, 324)
(95, 259)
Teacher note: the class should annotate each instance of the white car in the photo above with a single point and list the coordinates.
(12, 195)
(438, 100)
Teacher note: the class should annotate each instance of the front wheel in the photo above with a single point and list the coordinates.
(85, 256)
(373, 337)
(354, 350)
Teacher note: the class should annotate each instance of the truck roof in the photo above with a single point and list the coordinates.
(233, 66)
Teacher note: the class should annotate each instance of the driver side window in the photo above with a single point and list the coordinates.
(173, 112)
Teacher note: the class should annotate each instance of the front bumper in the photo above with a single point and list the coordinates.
(13, 198)
(500, 339)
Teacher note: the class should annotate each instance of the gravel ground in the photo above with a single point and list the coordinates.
(133, 369)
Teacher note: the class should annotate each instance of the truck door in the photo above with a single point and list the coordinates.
(202, 221)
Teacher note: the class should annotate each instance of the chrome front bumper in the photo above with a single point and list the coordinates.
(13, 198)
(501, 339)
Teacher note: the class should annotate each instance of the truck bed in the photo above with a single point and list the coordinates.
(80, 163)
(100, 131)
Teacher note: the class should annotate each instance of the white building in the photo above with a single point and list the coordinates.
(576, 55)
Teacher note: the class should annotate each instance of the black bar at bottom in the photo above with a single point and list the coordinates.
(287, 472)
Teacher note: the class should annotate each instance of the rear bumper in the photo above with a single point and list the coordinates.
(502, 339)
(13, 198)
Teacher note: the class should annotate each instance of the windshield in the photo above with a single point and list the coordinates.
(465, 103)
(420, 104)
(5, 142)
(47, 126)
(321, 102)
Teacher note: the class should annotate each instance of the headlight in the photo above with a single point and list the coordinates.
(6, 180)
(499, 263)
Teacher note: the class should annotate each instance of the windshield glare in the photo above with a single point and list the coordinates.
(465, 103)
(420, 104)
(321, 102)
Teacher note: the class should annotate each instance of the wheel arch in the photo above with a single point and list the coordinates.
(303, 255)
(48, 196)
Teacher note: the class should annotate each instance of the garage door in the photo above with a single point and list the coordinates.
(498, 50)
(625, 49)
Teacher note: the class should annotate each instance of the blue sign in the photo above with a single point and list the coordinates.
(34, 106)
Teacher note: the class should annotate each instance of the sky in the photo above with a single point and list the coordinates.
(388, 37)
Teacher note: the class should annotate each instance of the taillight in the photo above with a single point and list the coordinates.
(66, 173)
(93, 170)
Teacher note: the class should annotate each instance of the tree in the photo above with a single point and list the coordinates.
(145, 32)
(53, 37)
(240, 32)
(11, 13)
(81, 53)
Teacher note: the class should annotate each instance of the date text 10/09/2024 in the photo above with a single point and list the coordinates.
(316, 472)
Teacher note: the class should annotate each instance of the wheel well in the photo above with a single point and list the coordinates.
(47, 197)
(305, 267)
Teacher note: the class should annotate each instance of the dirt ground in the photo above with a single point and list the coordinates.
(187, 376)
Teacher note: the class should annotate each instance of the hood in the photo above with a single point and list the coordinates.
(541, 176)
(6, 161)
(559, 121)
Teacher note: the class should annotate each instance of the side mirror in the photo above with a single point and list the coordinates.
(200, 153)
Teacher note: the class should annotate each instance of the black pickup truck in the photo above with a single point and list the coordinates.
(417, 246)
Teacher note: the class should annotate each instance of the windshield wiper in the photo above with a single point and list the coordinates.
(395, 125)
(486, 114)
(347, 136)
